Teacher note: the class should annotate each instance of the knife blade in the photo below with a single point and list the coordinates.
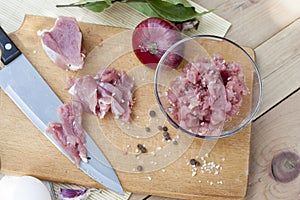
(34, 97)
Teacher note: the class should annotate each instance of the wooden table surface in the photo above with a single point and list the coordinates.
(272, 29)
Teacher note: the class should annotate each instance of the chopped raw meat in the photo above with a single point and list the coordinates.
(63, 43)
(69, 133)
(205, 94)
(233, 79)
(110, 90)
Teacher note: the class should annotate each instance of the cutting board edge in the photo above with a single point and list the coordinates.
(249, 50)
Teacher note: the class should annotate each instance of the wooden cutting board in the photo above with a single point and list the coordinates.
(25, 151)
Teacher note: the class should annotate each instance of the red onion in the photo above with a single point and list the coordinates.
(73, 194)
(151, 39)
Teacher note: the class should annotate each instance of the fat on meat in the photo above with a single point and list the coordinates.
(69, 132)
(84, 90)
(63, 43)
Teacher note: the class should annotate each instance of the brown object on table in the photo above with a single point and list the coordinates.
(24, 150)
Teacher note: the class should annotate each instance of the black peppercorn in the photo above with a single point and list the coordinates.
(193, 161)
(165, 128)
(152, 113)
(139, 168)
(166, 134)
(143, 150)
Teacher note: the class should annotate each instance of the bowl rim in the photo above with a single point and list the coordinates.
(172, 122)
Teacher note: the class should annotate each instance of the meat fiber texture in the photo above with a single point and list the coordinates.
(109, 90)
(63, 43)
(69, 133)
(206, 94)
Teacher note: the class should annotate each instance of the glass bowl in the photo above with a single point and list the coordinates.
(214, 92)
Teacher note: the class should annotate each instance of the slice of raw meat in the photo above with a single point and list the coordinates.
(84, 90)
(63, 43)
(69, 133)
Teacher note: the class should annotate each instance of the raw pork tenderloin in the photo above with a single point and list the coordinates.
(63, 43)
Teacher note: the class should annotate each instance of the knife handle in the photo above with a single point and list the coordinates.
(8, 48)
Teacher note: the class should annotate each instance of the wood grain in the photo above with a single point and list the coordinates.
(279, 131)
(278, 58)
(24, 150)
(254, 21)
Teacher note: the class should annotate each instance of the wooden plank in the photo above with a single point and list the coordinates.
(35, 155)
(274, 133)
(254, 21)
(278, 58)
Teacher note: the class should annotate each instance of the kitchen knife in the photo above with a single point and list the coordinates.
(23, 84)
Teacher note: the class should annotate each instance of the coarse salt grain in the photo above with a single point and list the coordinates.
(194, 173)
(149, 178)
(34, 51)
(163, 170)
(153, 162)
(158, 148)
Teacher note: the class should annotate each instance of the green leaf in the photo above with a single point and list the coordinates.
(185, 3)
(97, 6)
(171, 12)
(144, 8)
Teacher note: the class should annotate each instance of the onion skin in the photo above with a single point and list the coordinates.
(151, 39)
